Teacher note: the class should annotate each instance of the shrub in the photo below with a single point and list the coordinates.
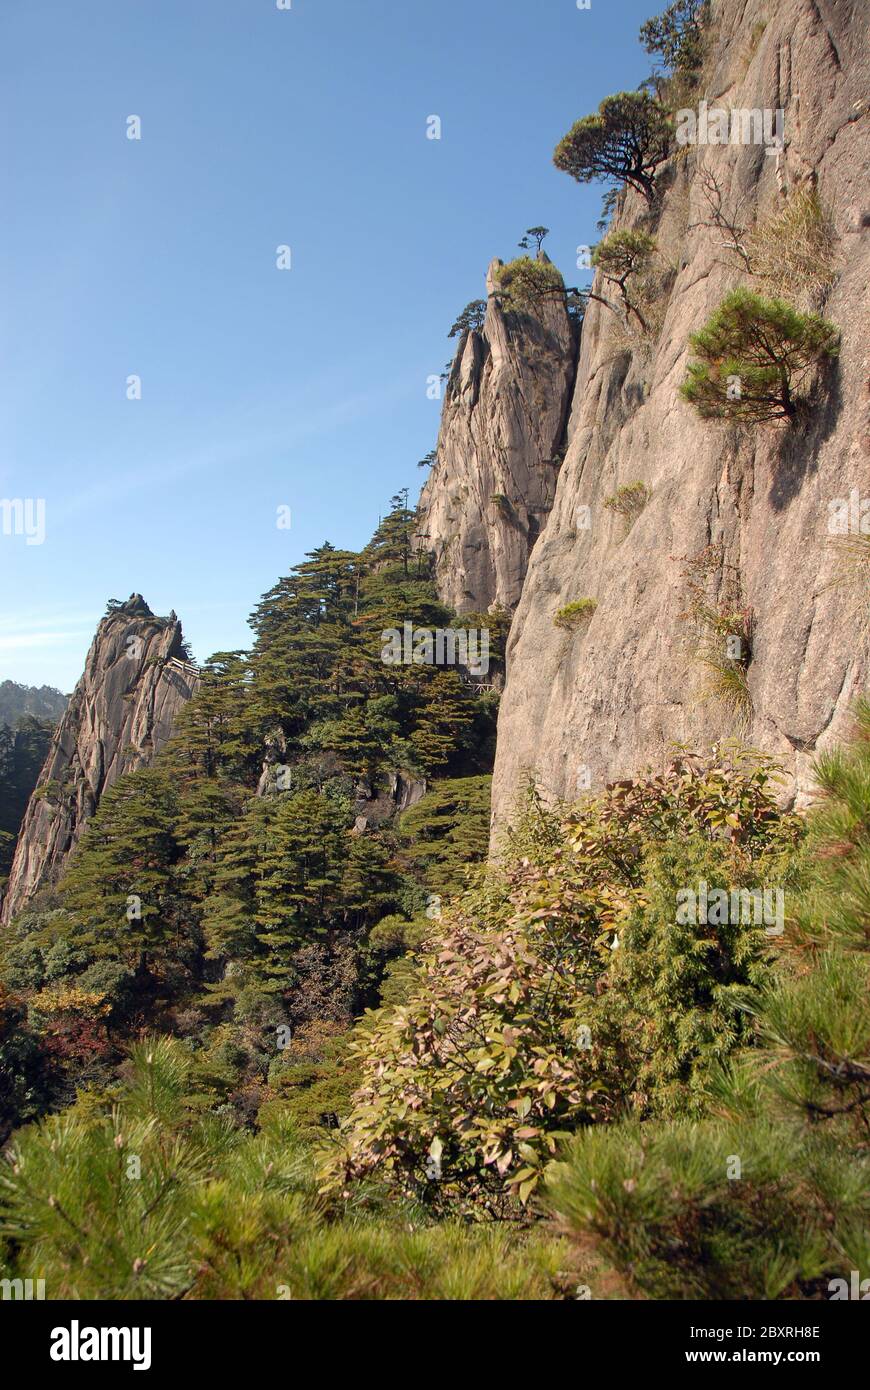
(678, 988)
(625, 140)
(575, 614)
(793, 251)
(523, 284)
(726, 685)
(772, 1198)
(628, 502)
(621, 256)
(658, 1203)
(755, 354)
(523, 1025)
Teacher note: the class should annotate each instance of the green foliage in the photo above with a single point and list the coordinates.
(770, 1199)
(446, 832)
(238, 877)
(625, 140)
(23, 751)
(628, 502)
(678, 988)
(576, 614)
(538, 235)
(525, 284)
(144, 1199)
(24, 1084)
(722, 633)
(623, 253)
(524, 1023)
(726, 685)
(471, 320)
(624, 256)
(754, 356)
(676, 35)
(658, 1203)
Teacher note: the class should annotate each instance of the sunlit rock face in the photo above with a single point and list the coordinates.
(121, 713)
(492, 486)
(585, 706)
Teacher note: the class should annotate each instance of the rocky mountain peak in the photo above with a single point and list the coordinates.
(492, 485)
(121, 713)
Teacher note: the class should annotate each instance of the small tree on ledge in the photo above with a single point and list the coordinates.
(536, 235)
(524, 284)
(620, 256)
(754, 355)
(470, 320)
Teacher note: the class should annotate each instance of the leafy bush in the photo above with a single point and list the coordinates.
(524, 1023)
(524, 284)
(755, 355)
(575, 614)
(628, 502)
(772, 1198)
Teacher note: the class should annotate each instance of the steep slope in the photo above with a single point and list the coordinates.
(22, 753)
(493, 482)
(121, 712)
(586, 706)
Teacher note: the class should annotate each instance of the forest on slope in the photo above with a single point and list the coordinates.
(282, 1030)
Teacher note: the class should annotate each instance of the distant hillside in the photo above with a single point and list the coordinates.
(43, 702)
(23, 750)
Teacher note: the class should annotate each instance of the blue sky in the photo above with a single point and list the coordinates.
(261, 388)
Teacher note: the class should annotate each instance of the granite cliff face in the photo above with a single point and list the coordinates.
(121, 713)
(583, 707)
(740, 509)
(492, 486)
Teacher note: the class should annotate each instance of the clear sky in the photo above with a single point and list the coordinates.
(261, 388)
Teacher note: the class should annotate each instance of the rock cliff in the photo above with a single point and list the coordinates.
(731, 515)
(745, 508)
(122, 711)
(493, 482)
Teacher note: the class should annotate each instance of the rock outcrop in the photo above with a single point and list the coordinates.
(122, 711)
(493, 482)
(585, 706)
